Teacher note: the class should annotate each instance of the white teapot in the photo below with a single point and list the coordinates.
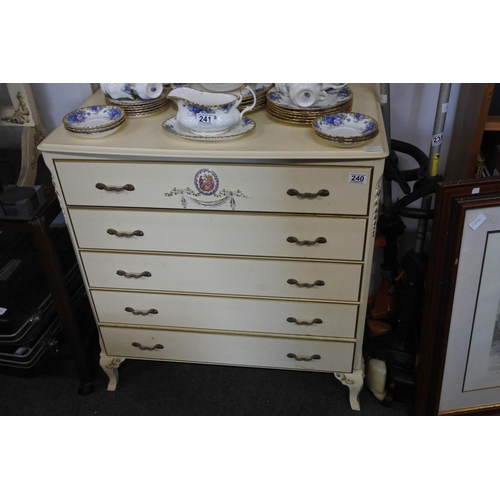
(208, 112)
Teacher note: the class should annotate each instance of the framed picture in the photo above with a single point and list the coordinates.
(459, 356)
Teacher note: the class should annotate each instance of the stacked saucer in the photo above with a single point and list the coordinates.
(140, 107)
(284, 109)
(346, 129)
(94, 121)
(260, 90)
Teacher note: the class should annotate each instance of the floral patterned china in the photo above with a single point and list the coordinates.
(94, 121)
(172, 126)
(259, 89)
(208, 112)
(334, 98)
(346, 129)
(140, 108)
(132, 91)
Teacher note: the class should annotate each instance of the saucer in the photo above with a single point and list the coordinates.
(93, 118)
(172, 126)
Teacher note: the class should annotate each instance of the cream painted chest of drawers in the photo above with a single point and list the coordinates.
(253, 252)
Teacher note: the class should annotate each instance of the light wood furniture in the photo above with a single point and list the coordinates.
(272, 270)
(472, 120)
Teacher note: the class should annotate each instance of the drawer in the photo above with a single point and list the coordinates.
(226, 313)
(265, 187)
(231, 276)
(266, 352)
(221, 233)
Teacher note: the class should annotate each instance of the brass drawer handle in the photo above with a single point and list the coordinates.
(133, 275)
(315, 321)
(121, 234)
(137, 312)
(303, 358)
(293, 239)
(145, 348)
(321, 192)
(291, 281)
(126, 187)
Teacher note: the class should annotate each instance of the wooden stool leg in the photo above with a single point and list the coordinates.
(57, 285)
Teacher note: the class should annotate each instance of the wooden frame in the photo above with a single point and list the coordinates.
(454, 200)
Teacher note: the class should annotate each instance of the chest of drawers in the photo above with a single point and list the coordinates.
(253, 252)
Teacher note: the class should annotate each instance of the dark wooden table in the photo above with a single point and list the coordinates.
(38, 226)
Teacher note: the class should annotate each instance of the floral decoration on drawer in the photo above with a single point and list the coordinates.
(206, 182)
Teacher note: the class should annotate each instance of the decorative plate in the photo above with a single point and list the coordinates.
(93, 118)
(334, 98)
(345, 126)
(172, 126)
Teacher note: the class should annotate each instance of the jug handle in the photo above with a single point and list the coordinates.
(251, 106)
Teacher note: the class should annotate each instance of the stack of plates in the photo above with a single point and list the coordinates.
(346, 129)
(94, 121)
(139, 107)
(284, 109)
(260, 90)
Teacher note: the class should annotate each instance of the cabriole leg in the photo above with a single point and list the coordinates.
(110, 365)
(354, 381)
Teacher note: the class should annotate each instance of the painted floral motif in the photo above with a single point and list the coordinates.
(195, 109)
(83, 114)
(365, 123)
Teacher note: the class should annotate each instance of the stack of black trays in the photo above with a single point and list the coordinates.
(30, 330)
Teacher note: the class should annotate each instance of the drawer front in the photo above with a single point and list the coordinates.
(270, 278)
(255, 188)
(222, 313)
(221, 233)
(266, 352)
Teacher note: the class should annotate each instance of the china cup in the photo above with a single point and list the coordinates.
(306, 95)
(117, 90)
(147, 90)
(208, 113)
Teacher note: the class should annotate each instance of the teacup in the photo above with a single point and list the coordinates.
(147, 90)
(117, 90)
(208, 113)
(306, 95)
(144, 91)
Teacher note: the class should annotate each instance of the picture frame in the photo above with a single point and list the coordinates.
(457, 371)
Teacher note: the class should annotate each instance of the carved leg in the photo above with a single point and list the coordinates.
(354, 381)
(110, 366)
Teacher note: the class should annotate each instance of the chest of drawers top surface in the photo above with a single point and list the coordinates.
(270, 139)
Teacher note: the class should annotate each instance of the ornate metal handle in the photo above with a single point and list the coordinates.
(315, 321)
(120, 234)
(293, 239)
(146, 348)
(321, 192)
(303, 358)
(291, 281)
(133, 275)
(127, 187)
(137, 312)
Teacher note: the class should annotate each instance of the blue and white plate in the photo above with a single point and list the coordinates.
(94, 118)
(172, 126)
(346, 127)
